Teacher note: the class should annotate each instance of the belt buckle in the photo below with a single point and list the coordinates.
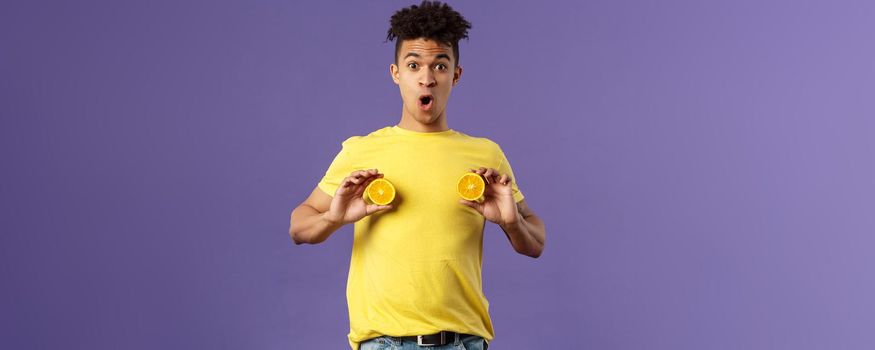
(420, 343)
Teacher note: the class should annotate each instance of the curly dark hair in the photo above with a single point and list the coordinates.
(430, 20)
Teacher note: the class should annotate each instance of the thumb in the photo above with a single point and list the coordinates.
(373, 208)
(477, 206)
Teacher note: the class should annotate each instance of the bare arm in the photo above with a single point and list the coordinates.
(523, 228)
(308, 223)
(527, 234)
(315, 219)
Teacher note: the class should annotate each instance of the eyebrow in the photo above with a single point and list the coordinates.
(439, 56)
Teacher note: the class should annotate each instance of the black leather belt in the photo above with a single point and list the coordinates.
(437, 339)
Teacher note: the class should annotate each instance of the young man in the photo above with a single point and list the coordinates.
(415, 272)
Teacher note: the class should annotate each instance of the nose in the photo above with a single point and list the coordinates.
(427, 79)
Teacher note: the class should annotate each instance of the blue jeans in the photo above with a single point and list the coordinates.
(465, 342)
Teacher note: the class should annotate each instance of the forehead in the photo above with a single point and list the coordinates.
(425, 48)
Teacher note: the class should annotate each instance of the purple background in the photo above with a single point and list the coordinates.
(706, 170)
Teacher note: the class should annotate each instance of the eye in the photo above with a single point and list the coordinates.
(441, 66)
(412, 65)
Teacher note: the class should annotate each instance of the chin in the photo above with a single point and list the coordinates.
(430, 119)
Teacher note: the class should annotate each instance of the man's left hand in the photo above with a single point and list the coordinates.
(497, 205)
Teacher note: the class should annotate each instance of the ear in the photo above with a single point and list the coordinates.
(457, 74)
(393, 72)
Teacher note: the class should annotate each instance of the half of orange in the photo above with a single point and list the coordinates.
(380, 192)
(471, 186)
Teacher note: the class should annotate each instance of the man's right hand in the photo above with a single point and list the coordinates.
(347, 205)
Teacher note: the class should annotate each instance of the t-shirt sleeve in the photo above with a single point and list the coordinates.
(340, 167)
(504, 168)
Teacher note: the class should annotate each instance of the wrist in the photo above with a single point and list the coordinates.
(513, 222)
(329, 219)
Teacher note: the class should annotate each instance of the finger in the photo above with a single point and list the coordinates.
(489, 172)
(373, 208)
(342, 188)
(366, 174)
(358, 174)
(482, 172)
(347, 182)
(361, 189)
(492, 175)
(372, 173)
(346, 187)
(357, 179)
(504, 180)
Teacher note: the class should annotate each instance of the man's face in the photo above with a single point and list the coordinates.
(425, 74)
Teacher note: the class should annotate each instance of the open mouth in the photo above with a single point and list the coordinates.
(425, 101)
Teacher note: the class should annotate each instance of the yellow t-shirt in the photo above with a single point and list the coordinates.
(417, 269)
